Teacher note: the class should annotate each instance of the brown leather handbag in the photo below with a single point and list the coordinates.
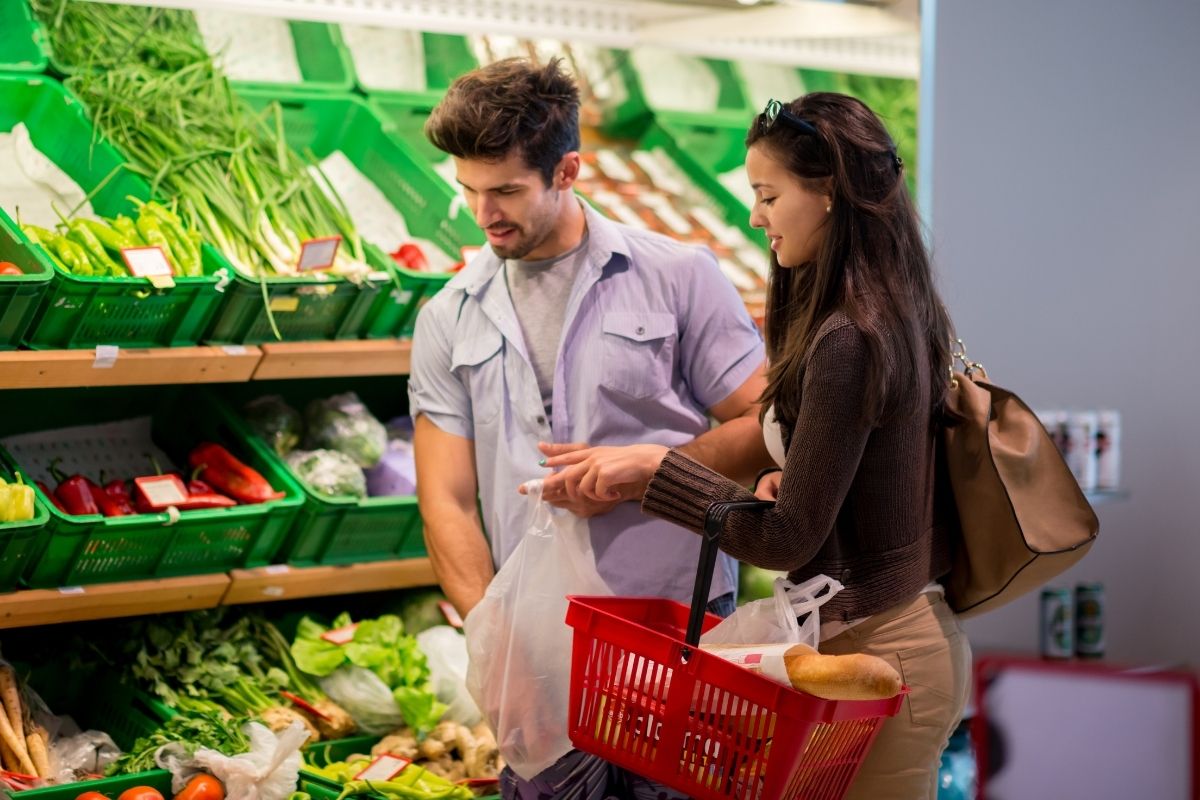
(1023, 517)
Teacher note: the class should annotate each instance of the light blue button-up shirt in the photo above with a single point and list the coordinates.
(654, 335)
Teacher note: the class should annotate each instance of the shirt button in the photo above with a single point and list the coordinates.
(845, 576)
(640, 330)
(541, 420)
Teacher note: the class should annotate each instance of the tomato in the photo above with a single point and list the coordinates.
(140, 793)
(9, 268)
(91, 796)
(202, 787)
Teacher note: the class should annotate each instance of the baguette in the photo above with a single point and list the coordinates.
(851, 677)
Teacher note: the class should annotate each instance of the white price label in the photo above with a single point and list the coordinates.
(343, 635)
(147, 262)
(106, 356)
(383, 768)
(318, 254)
(71, 590)
(162, 490)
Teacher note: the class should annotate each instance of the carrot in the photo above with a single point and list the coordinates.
(12, 701)
(38, 753)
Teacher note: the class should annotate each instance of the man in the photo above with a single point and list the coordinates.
(567, 327)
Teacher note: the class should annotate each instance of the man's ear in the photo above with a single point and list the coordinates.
(567, 172)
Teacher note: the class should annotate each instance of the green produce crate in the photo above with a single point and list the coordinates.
(324, 61)
(86, 311)
(339, 530)
(22, 46)
(19, 294)
(632, 119)
(98, 702)
(94, 549)
(704, 151)
(19, 541)
(111, 788)
(322, 124)
(340, 750)
(446, 57)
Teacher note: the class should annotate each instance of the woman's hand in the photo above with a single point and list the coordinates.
(767, 487)
(606, 475)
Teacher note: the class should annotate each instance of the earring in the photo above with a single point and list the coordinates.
(829, 208)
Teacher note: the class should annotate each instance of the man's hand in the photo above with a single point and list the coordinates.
(596, 479)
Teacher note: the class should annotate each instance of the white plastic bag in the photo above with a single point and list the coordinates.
(519, 643)
(365, 697)
(269, 771)
(775, 619)
(445, 651)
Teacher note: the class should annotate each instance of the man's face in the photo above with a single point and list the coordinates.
(512, 204)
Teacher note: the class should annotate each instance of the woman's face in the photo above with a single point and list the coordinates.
(793, 217)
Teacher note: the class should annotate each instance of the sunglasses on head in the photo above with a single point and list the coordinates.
(775, 112)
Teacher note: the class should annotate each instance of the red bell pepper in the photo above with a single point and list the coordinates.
(51, 496)
(410, 256)
(74, 492)
(118, 493)
(218, 468)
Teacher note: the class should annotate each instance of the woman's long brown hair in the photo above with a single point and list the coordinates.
(872, 263)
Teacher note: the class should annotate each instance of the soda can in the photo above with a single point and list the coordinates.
(1058, 626)
(1081, 447)
(1108, 450)
(1089, 620)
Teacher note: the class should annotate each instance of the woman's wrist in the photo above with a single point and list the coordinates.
(762, 473)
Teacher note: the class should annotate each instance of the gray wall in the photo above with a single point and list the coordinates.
(1066, 227)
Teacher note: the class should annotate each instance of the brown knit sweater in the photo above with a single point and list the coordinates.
(855, 501)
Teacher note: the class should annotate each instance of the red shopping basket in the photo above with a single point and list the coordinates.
(645, 698)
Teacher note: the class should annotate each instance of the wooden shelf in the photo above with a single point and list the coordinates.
(281, 582)
(105, 600)
(334, 359)
(46, 369)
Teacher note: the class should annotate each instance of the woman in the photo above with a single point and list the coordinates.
(858, 343)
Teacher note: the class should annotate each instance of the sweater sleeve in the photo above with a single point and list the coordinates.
(825, 449)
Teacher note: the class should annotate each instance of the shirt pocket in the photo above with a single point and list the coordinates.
(639, 353)
(476, 361)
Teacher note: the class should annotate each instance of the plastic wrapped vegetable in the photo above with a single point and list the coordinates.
(343, 423)
(280, 425)
(329, 472)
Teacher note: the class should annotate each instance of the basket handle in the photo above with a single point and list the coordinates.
(714, 526)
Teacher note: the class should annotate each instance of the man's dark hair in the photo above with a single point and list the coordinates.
(510, 105)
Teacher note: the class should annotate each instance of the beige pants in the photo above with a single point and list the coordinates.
(924, 641)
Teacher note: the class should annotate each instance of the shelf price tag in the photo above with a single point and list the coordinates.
(343, 635)
(383, 768)
(318, 254)
(162, 491)
(303, 705)
(106, 356)
(150, 263)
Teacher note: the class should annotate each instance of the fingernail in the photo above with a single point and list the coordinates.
(541, 462)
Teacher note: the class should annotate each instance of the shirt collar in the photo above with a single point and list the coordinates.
(604, 241)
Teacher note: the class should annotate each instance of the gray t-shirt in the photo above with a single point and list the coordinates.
(540, 291)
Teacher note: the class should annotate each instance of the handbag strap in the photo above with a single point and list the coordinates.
(958, 352)
(714, 526)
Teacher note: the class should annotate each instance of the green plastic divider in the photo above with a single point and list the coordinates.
(20, 295)
(337, 530)
(446, 57)
(325, 64)
(80, 311)
(19, 541)
(324, 123)
(22, 45)
(78, 550)
(635, 116)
